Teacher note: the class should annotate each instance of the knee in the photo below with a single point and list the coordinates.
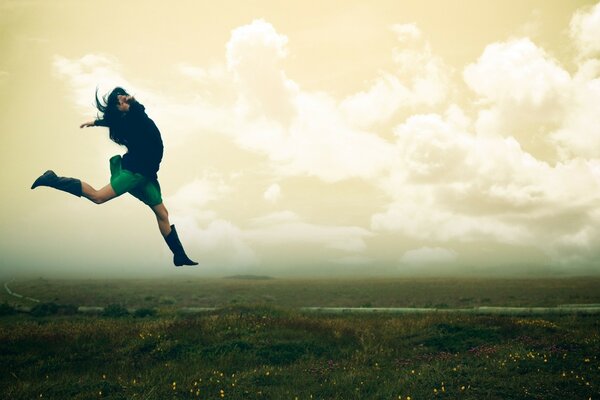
(98, 198)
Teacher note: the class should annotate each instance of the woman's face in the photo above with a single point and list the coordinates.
(122, 104)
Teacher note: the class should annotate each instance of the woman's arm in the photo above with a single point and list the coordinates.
(98, 122)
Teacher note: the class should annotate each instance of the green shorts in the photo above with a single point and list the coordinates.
(122, 181)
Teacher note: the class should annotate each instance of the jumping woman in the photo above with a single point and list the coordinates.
(135, 172)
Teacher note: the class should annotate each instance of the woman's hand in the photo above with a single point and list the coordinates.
(88, 124)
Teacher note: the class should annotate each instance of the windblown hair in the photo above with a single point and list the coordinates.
(111, 115)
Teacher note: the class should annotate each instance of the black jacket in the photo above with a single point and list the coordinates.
(142, 139)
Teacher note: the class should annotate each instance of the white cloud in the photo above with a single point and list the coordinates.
(426, 74)
(406, 32)
(517, 72)
(285, 228)
(524, 93)
(322, 144)
(219, 247)
(192, 199)
(276, 218)
(378, 103)
(196, 73)
(430, 220)
(301, 132)
(432, 148)
(254, 52)
(183, 119)
(453, 186)
(429, 255)
(579, 133)
(87, 73)
(273, 193)
(421, 79)
(585, 30)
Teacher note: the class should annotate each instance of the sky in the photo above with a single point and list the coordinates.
(309, 138)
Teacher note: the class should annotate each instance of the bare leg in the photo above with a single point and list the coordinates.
(170, 235)
(162, 217)
(98, 196)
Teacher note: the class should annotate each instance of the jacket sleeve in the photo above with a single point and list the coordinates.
(100, 122)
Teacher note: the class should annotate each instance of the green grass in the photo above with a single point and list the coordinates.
(260, 346)
(393, 292)
(271, 353)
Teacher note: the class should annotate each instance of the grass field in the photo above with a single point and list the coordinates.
(257, 345)
(368, 292)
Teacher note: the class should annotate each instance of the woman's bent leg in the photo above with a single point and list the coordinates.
(162, 217)
(170, 234)
(98, 196)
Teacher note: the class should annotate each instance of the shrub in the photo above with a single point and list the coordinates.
(144, 312)
(66, 309)
(7, 309)
(44, 309)
(115, 310)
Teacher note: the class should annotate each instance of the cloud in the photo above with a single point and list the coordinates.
(377, 104)
(273, 193)
(322, 144)
(517, 72)
(433, 148)
(427, 75)
(420, 79)
(406, 32)
(300, 132)
(220, 244)
(196, 73)
(87, 73)
(579, 131)
(429, 255)
(253, 54)
(184, 119)
(585, 31)
(219, 247)
(193, 198)
(451, 185)
(287, 228)
(524, 93)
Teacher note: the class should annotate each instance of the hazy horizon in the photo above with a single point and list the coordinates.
(417, 138)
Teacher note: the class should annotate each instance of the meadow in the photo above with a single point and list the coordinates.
(257, 344)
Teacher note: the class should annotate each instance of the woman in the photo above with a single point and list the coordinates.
(135, 172)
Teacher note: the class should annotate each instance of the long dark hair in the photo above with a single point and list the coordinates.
(111, 115)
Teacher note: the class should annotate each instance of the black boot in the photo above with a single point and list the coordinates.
(179, 256)
(69, 185)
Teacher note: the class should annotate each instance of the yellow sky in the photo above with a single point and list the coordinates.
(309, 137)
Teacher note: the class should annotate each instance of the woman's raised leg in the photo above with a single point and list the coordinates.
(75, 186)
(98, 196)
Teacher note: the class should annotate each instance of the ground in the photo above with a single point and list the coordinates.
(257, 344)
